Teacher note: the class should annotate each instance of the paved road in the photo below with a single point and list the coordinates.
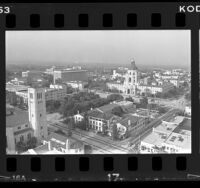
(106, 145)
(97, 143)
(152, 124)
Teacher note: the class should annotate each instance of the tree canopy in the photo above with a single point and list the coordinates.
(84, 101)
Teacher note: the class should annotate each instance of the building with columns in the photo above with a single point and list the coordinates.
(134, 86)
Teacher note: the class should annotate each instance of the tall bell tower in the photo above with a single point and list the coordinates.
(37, 112)
(131, 79)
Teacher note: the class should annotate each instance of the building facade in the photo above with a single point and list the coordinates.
(18, 128)
(37, 112)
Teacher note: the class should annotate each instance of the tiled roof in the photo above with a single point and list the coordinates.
(98, 114)
(108, 107)
(19, 117)
(129, 118)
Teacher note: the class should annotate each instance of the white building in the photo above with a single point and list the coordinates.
(134, 86)
(58, 144)
(18, 128)
(55, 93)
(78, 117)
(169, 137)
(77, 84)
(24, 95)
(14, 88)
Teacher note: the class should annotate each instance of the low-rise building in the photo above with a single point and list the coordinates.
(14, 88)
(154, 89)
(78, 117)
(55, 94)
(18, 128)
(115, 85)
(100, 119)
(77, 85)
(188, 110)
(58, 144)
(169, 137)
(130, 126)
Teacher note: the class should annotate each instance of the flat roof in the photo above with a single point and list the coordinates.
(165, 128)
(176, 120)
(179, 140)
(155, 139)
(19, 117)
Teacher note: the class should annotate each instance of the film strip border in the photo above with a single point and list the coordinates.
(101, 167)
(107, 20)
(108, 168)
(101, 16)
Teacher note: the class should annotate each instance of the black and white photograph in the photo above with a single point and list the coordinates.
(98, 92)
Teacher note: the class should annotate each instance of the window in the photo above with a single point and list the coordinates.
(18, 127)
(15, 141)
(40, 115)
(39, 95)
(31, 95)
(21, 138)
(29, 136)
(129, 80)
(41, 127)
(26, 125)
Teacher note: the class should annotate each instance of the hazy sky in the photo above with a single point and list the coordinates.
(159, 47)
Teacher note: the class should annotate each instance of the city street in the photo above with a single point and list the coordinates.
(107, 145)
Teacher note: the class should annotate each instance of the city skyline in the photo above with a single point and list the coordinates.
(161, 48)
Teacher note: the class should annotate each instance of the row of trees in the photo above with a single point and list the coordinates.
(84, 101)
(96, 85)
(175, 92)
(14, 99)
(53, 106)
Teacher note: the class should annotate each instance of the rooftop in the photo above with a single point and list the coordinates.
(184, 127)
(108, 107)
(129, 118)
(165, 128)
(183, 141)
(16, 87)
(43, 149)
(155, 139)
(99, 114)
(60, 140)
(23, 131)
(19, 117)
(176, 120)
(124, 103)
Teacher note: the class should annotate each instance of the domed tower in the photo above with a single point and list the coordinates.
(131, 79)
(133, 66)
